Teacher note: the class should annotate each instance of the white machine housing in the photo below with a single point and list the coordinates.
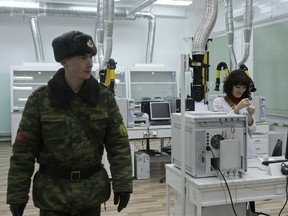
(142, 165)
(259, 103)
(225, 135)
(141, 119)
(126, 107)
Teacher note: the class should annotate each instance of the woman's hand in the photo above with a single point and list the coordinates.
(250, 110)
(245, 102)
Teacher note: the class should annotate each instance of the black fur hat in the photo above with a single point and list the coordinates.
(73, 43)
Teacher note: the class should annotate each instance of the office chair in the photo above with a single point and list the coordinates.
(277, 150)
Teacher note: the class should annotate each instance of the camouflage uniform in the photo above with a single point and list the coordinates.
(49, 134)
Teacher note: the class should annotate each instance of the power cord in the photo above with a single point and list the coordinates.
(208, 148)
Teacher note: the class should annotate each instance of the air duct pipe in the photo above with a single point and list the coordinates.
(109, 28)
(74, 10)
(151, 36)
(200, 40)
(204, 30)
(230, 33)
(37, 39)
(141, 6)
(248, 17)
(100, 32)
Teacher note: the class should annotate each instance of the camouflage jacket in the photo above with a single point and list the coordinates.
(50, 136)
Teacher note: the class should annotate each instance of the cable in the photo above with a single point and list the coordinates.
(286, 196)
(257, 168)
(221, 182)
(208, 148)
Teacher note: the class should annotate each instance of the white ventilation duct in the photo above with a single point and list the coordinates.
(37, 39)
(230, 32)
(200, 40)
(151, 36)
(141, 6)
(204, 30)
(105, 21)
(247, 26)
(248, 17)
(8, 8)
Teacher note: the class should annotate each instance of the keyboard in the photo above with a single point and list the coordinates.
(160, 122)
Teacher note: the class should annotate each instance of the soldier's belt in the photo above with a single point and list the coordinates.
(72, 175)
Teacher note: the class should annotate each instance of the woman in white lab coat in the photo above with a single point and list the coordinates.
(237, 101)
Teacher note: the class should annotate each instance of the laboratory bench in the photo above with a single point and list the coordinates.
(209, 196)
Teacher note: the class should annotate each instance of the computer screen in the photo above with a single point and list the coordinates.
(160, 110)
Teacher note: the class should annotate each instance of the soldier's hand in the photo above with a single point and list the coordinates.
(17, 209)
(122, 198)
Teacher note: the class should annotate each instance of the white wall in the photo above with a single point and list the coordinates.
(129, 39)
(129, 45)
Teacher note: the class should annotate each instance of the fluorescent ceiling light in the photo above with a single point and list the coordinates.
(174, 2)
(19, 4)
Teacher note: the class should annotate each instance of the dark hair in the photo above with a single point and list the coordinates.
(237, 77)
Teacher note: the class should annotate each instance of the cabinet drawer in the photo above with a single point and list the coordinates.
(262, 128)
(261, 148)
(260, 140)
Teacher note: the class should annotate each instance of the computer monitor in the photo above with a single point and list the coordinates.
(160, 110)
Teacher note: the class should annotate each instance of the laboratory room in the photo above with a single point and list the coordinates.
(143, 107)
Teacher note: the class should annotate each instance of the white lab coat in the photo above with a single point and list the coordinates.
(220, 105)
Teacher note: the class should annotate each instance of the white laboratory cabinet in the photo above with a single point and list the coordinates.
(24, 80)
(121, 81)
(260, 142)
(152, 81)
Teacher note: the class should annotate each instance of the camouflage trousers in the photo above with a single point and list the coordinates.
(95, 211)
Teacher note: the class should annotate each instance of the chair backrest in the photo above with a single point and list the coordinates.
(286, 150)
(277, 151)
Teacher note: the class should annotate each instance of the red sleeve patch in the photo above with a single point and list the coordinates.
(19, 137)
